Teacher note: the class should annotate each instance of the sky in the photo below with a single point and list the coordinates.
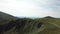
(31, 8)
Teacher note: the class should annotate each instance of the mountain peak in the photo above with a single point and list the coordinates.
(48, 17)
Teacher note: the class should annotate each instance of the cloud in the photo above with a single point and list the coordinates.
(31, 8)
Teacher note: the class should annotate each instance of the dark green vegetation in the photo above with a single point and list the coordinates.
(13, 25)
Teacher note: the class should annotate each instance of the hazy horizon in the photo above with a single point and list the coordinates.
(31, 8)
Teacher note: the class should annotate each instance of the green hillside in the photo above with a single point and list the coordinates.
(5, 18)
(50, 25)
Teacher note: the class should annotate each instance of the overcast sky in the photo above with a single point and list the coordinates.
(31, 8)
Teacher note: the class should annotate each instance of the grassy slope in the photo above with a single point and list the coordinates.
(55, 24)
(48, 23)
(5, 18)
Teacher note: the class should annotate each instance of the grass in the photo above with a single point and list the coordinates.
(51, 26)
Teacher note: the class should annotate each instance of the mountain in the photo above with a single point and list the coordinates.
(5, 18)
(48, 17)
